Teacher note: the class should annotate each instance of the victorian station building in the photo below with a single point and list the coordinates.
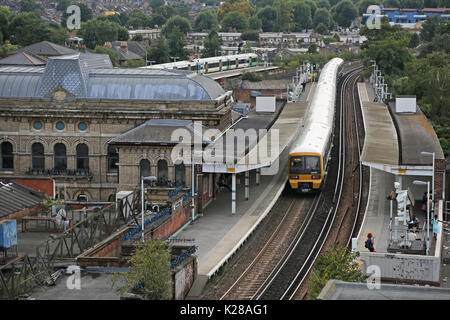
(69, 121)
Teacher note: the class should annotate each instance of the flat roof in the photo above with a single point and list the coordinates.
(415, 135)
(340, 290)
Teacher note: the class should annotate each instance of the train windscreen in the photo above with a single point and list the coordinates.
(305, 164)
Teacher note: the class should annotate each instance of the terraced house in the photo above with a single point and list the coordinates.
(56, 121)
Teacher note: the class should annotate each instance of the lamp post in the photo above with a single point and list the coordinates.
(422, 183)
(148, 178)
(424, 153)
(194, 152)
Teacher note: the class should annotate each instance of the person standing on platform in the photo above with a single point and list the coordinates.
(370, 242)
(435, 223)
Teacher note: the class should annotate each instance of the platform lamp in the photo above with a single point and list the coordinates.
(148, 178)
(424, 153)
(422, 183)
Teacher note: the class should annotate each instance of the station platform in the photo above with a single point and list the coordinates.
(238, 72)
(218, 234)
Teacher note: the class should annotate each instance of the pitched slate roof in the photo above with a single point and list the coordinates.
(22, 59)
(15, 197)
(47, 49)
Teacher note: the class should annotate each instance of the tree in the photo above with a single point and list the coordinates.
(27, 28)
(284, 15)
(338, 263)
(212, 45)
(160, 52)
(4, 26)
(268, 16)
(85, 11)
(177, 41)
(179, 22)
(156, 20)
(235, 20)
(235, 5)
(254, 23)
(137, 19)
(362, 5)
(156, 3)
(411, 4)
(312, 48)
(206, 20)
(97, 31)
(302, 16)
(322, 16)
(323, 4)
(430, 26)
(321, 29)
(30, 6)
(431, 3)
(150, 272)
(391, 3)
(344, 13)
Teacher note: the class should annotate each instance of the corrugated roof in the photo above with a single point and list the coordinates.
(15, 197)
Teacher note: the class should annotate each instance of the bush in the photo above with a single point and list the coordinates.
(252, 76)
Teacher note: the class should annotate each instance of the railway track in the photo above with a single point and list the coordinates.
(280, 268)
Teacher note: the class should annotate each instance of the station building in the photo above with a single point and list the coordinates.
(56, 121)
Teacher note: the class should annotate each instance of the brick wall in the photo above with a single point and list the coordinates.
(439, 167)
(24, 212)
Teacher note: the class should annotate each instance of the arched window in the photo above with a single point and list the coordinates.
(60, 157)
(113, 158)
(6, 156)
(82, 157)
(163, 172)
(180, 174)
(144, 167)
(37, 156)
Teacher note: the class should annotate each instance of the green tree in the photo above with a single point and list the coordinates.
(312, 48)
(431, 3)
(322, 16)
(302, 16)
(338, 263)
(323, 4)
(362, 5)
(411, 4)
(284, 15)
(156, 20)
(181, 23)
(150, 271)
(212, 45)
(4, 26)
(96, 32)
(177, 41)
(268, 16)
(254, 23)
(206, 20)
(391, 3)
(30, 6)
(344, 13)
(27, 28)
(160, 52)
(113, 55)
(242, 6)
(321, 29)
(235, 20)
(156, 3)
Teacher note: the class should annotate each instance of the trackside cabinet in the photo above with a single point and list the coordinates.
(8, 233)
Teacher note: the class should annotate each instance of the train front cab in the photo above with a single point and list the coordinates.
(305, 171)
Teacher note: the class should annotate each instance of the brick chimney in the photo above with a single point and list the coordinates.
(124, 46)
(108, 44)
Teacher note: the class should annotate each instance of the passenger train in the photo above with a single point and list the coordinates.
(309, 155)
(213, 64)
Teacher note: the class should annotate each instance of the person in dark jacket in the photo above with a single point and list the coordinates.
(370, 242)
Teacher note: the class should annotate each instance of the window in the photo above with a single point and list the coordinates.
(37, 125)
(60, 157)
(82, 126)
(305, 165)
(6, 156)
(82, 157)
(37, 156)
(180, 174)
(162, 172)
(60, 125)
(113, 158)
(83, 198)
(144, 167)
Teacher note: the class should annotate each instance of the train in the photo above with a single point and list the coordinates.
(309, 154)
(212, 64)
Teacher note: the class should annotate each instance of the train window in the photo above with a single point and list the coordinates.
(305, 164)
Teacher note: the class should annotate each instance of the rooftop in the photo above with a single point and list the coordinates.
(22, 58)
(47, 49)
(15, 197)
(92, 76)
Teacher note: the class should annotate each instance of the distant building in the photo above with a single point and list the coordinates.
(147, 34)
(22, 59)
(46, 49)
(292, 40)
(406, 17)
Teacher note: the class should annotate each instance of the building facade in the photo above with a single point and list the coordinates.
(55, 122)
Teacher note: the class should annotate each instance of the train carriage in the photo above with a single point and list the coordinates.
(212, 64)
(308, 158)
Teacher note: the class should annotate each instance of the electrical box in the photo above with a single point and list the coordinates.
(8, 233)
(265, 103)
(405, 104)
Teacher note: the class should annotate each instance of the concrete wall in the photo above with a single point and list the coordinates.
(403, 267)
